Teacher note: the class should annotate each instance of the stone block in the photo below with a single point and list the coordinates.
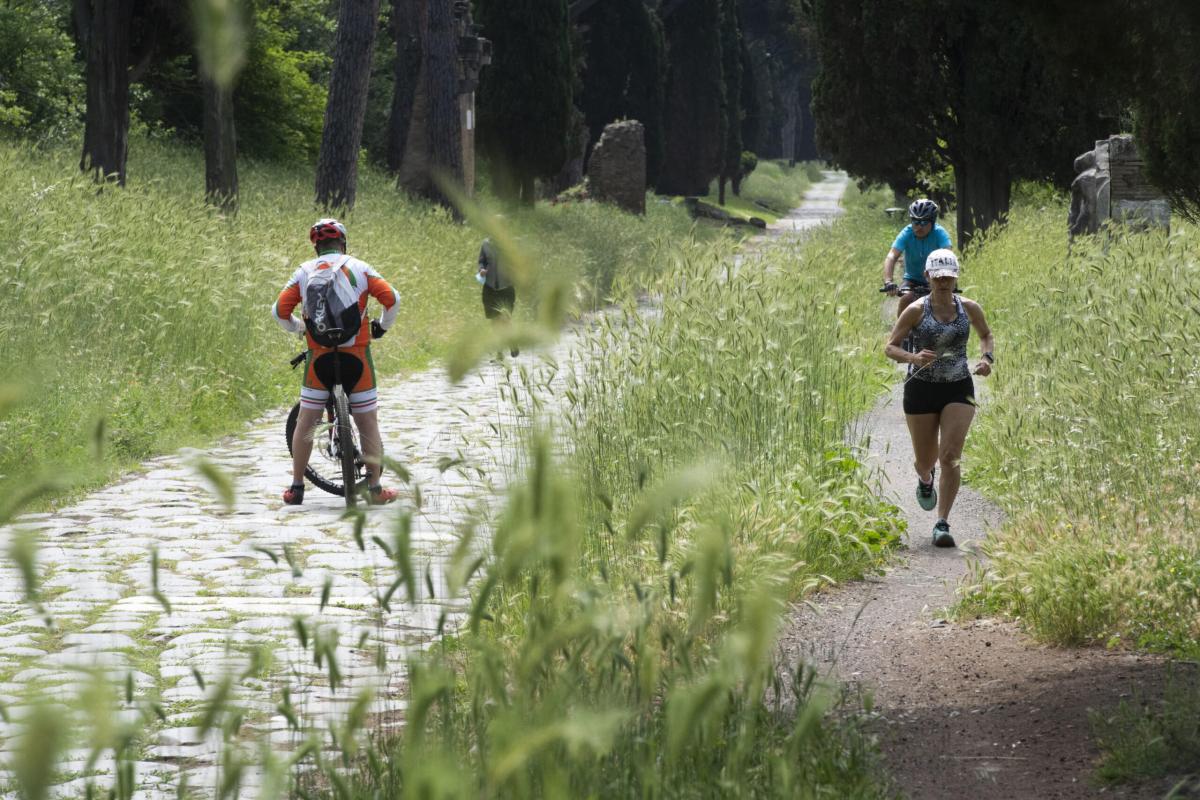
(617, 168)
(1111, 185)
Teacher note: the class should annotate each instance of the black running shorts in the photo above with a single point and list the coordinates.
(927, 397)
(498, 301)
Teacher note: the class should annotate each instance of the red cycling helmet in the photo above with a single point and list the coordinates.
(324, 229)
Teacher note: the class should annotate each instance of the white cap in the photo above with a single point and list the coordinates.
(942, 263)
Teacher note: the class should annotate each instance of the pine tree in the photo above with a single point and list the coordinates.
(337, 165)
(103, 30)
(693, 109)
(525, 96)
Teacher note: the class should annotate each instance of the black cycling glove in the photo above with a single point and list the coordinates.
(377, 330)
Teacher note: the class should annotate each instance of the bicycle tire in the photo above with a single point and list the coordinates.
(346, 448)
(320, 481)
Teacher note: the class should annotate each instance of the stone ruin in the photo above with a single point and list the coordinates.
(1111, 185)
(617, 168)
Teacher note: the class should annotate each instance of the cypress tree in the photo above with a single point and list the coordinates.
(525, 96)
(694, 94)
(1004, 111)
(731, 96)
(625, 74)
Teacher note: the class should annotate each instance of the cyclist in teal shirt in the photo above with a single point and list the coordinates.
(918, 239)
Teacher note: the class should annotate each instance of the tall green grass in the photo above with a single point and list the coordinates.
(146, 309)
(1090, 436)
(621, 636)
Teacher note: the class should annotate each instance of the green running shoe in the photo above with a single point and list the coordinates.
(926, 494)
(941, 534)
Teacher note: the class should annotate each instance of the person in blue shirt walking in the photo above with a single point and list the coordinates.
(918, 239)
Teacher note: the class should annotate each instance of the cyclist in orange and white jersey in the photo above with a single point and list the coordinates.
(357, 370)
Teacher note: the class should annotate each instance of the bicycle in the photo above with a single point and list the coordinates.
(336, 440)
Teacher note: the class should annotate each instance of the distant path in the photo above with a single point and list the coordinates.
(973, 710)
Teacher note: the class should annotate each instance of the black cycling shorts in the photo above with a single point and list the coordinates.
(927, 397)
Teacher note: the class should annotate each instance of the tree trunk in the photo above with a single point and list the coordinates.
(220, 146)
(528, 189)
(104, 27)
(721, 189)
(736, 184)
(445, 131)
(337, 165)
(406, 31)
(791, 119)
(983, 191)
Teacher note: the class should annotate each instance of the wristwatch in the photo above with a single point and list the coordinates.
(991, 359)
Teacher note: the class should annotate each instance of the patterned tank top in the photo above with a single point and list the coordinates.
(948, 340)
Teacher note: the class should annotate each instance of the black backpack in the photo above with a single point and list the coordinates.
(328, 311)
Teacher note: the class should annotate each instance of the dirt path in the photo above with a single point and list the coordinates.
(972, 709)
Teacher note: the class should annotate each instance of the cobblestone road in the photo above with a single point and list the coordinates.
(237, 579)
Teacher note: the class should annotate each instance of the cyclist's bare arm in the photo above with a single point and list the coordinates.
(894, 348)
(889, 268)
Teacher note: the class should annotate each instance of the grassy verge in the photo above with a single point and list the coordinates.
(1090, 436)
(621, 636)
(1089, 439)
(145, 309)
(1148, 738)
(770, 192)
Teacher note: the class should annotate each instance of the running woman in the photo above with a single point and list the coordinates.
(919, 238)
(939, 395)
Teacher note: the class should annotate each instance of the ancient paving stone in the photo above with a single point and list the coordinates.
(230, 589)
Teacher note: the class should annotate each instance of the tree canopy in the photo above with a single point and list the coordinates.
(624, 75)
(525, 97)
(1146, 53)
(694, 96)
(907, 88)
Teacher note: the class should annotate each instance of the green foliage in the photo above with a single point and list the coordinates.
(694, 92)
(747, 164)
(41, 84)
(530, 78)
(193, 353)
(1144, 738)
(731, 90)
(278, 105)
(1085, 442)
(907, 89)
(625, 73)
(1142, 54)
(279, 94)
(621, 635)
(1166, 120)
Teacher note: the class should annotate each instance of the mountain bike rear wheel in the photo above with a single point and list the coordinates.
(325, 469)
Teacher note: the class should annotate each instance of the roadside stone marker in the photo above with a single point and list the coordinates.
(1111, 185)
